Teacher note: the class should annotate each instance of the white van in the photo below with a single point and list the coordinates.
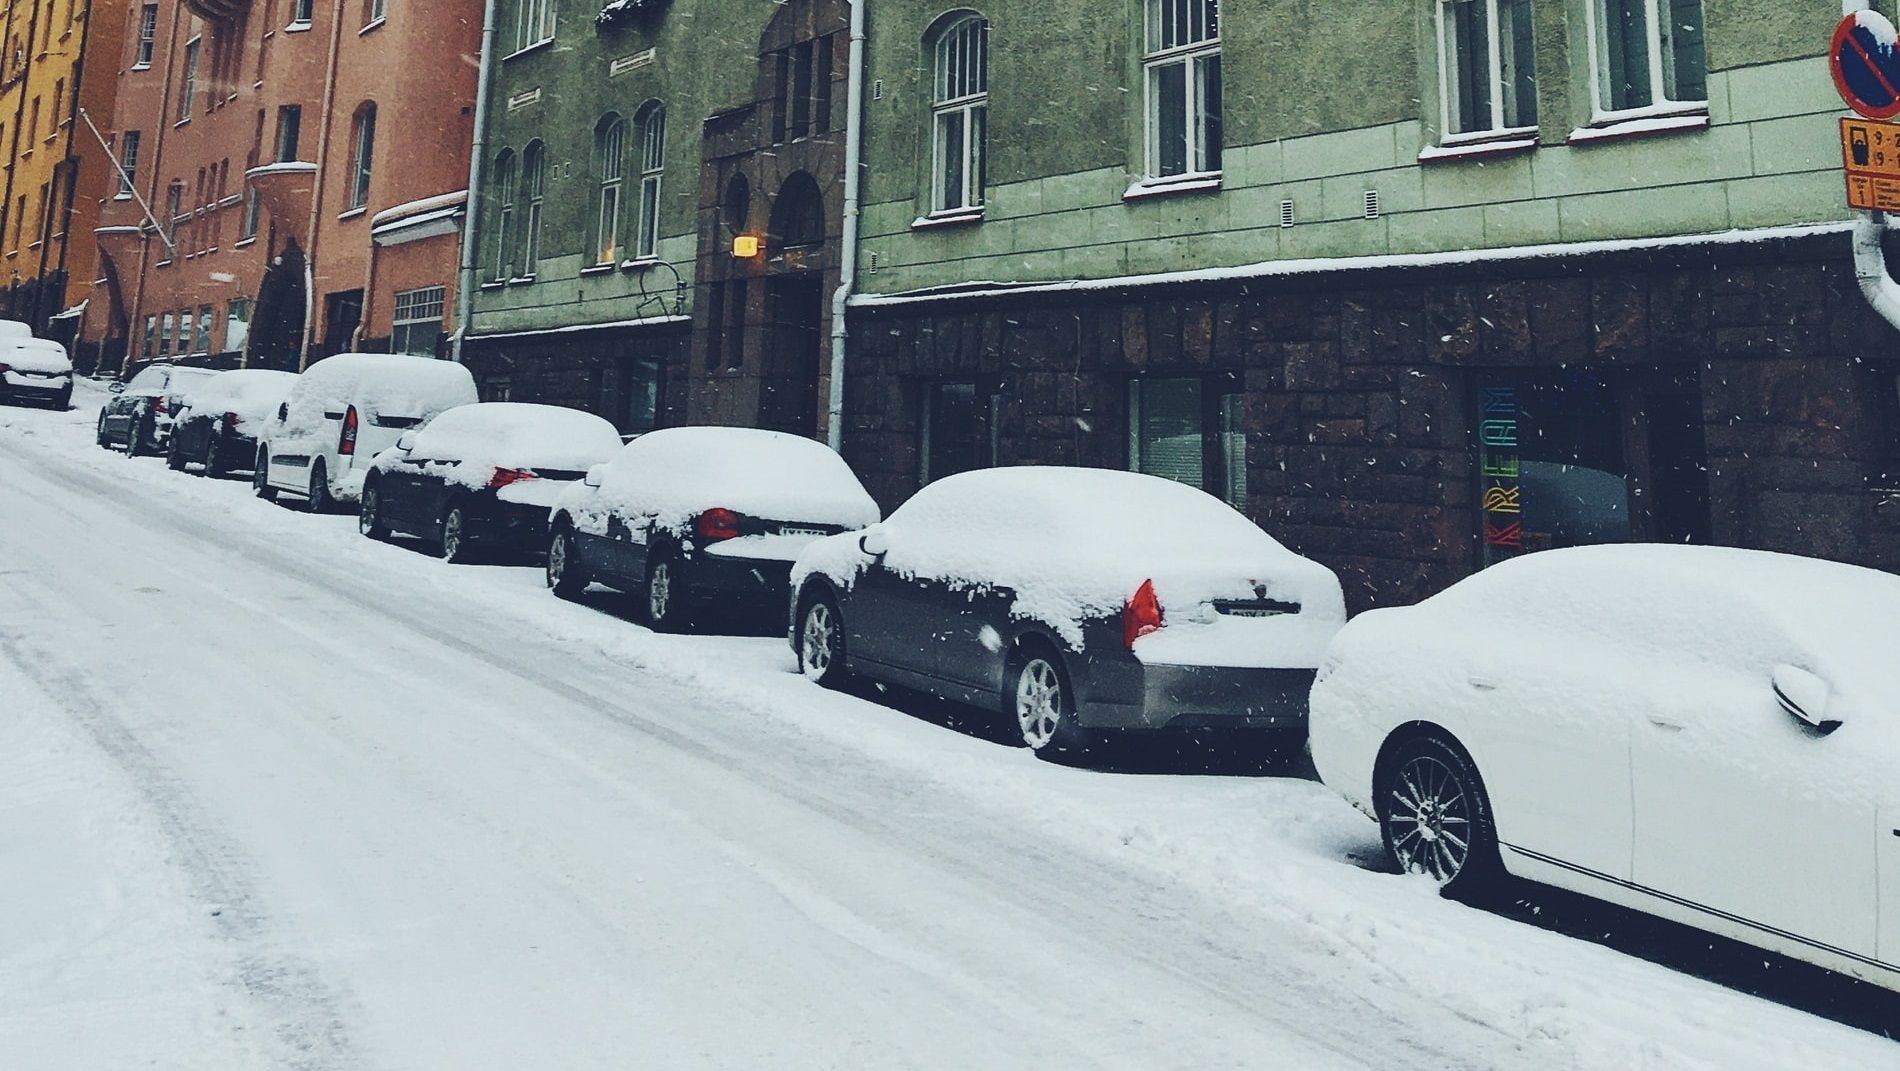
(344, 411)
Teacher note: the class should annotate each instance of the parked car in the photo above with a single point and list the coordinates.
(693, 518)
(1705, 734)
(483, 476)
(1077, 600)
(37, 370)
(218, 422)
(15, 329)
(138, 416)
(341, 413)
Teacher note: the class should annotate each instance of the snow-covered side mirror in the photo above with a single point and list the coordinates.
(118, 386)
(283, 412)
(406, 441)
(874, 543)
(1804, 696)
(596, 475)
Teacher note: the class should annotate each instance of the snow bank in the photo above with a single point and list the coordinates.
(253, 394)
(379, 385)
(674, 474)
(513, 435)
(35, 355)
(12, 329)
(1075, 543)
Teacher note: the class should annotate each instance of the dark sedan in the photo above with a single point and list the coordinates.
(1076, 600)
(137, 417)
(482, 477)
(218, 427)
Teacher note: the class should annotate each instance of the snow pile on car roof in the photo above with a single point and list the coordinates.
(34, 355)
(252, 393)
(513, 435)
(674, 474)
(1076, 543)
(383, 384)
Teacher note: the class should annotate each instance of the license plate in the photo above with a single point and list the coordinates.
(801, 531)
(1251, 611)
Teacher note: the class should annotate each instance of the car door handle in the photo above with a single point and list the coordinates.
(1665, 724)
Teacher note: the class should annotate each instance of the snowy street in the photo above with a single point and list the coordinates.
(275, 795)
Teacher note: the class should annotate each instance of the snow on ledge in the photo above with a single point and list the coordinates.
(1316, 265)
(426, 204)
(643, 321)
(1632, 128)
(1475, 150)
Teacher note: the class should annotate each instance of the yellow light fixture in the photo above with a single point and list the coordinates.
(745, 245)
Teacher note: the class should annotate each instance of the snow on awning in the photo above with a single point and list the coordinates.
(76, 310)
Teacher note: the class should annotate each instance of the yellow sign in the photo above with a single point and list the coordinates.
(1870, 151)
(745, 245)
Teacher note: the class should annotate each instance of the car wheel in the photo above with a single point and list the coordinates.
(318, 493)
(564, 575)
(1434, 815)
(260, 477)
(369, 513)
(821, 641)
(665, 596)
(134, 435)
(211, 464)
(63, 400)
(174, 458)
(454, 539)
(100, 438)
(1040, 697)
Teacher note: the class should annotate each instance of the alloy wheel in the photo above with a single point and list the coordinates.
(1039, 702)
(818, 641)
(659, 592)
(557, 560)
(452, 546)
(367, 521)
(1429, 819)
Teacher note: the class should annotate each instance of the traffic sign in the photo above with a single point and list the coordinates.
(1870, 151)
(1866, 64)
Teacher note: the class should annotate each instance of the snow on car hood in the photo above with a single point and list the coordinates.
(1075, 543)
(674, 474)
(251, 393)
(486, 436)
(35, 355)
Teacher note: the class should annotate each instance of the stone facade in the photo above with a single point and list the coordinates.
(1746, 411)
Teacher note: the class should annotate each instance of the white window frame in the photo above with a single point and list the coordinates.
(362, 156)
(1193, 56)
(1661, 105)
(421, 307)
(189, 88)
(534, 188)
(646, 235)
(128, 162)
(148, 36)
(507, 178)
(960, 90)
(1500, 89)
(611, 171)
(534, 24)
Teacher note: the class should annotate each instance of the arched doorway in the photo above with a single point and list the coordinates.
(795, 308)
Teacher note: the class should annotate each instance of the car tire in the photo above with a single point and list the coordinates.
(821, 643)
(260, 477)
(317, 494)
(453, 536)
(663, 594)
(1038, 695)
(174, 458)
(1426, 793)
(563, 568)
(212, 463)
(63, 400)
(135, 435)
(369, 513)
(100, 437)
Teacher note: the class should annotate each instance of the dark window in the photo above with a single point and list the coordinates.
(1551, 464)
(957, 429)
(734, 343)
(798, 214)
(782, 95)
(715, 324)
(643, 396)
(801, 89)
(821, 106)
(1886, 386)
(1190, 429)
(342, 312)
(737, 205)
(289, 126)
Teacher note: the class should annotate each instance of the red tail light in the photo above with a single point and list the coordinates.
(1142, 615)
(716, 524)
(504, 477)
(230, 421)
(159, 406)
(346, 442)
(6, 368)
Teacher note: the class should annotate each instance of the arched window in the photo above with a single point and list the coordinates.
(534, 184)
(1182, 65)
(505, 215)
(736, 205)
(960, 113)
(798, 214)
(652, 124)
(610, 165)
(362, 150)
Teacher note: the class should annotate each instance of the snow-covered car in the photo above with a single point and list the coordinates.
(1705, 734)
(483, 477)
(342, 412)
(35, 370)
(11, 330)
(698, 518)
(138, 416)
(217, 426)
(1077, 600)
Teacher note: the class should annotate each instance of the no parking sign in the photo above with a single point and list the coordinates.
(1866, 64)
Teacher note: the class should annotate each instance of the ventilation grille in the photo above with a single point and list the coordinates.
(1286, 213)
(1372, 204)
(877, 89)
(873, 262)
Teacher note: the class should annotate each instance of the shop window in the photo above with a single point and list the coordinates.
(643, 396)
(1488, 81)
(416, 321)
(1551, 464)
(1648, 55)
(497, 390)
(1190, 429)
(957, 429)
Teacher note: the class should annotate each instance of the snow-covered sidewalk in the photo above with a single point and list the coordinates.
(275, 795)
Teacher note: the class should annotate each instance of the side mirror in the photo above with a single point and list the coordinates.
(118, 386)
(1804, 696)
(874, 543)
(283, 412)
(595, 475)
(406, 441)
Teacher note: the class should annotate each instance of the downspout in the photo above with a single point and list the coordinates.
(19, 119)
(1870, 257)
(316, 193)
(72, 182)
(155, 176)
(471, 204)
(848, 256)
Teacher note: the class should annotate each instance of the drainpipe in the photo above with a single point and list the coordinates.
(1870, 258)
(327, 118)
(848, 258)
(471, 205)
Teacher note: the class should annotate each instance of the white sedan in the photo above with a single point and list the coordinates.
(1704, 734)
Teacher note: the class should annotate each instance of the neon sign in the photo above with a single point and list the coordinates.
(1500, 468)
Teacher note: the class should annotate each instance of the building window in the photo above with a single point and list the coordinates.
(237, 324)
(610, 161)
(201, 337)
(1551, 465)
(253, 208)
(375, 11)
(960, 115)
(534, 23)
(174, 207)
(1649, 55)
(801, 100)
(289, 128)
(363, 154)
(504, 215)
(1190, 429)
(165, 335)
(190, 86)
(59, 108)
(732, 344)
(643, 396)
(150, 348)
(1487, 72)
(497, 390)
(301, 12)
(417, 326)
(128, 162)
(1184, 92)
(148, 33)
(957, 429)
(646, 239)
(534, 183)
